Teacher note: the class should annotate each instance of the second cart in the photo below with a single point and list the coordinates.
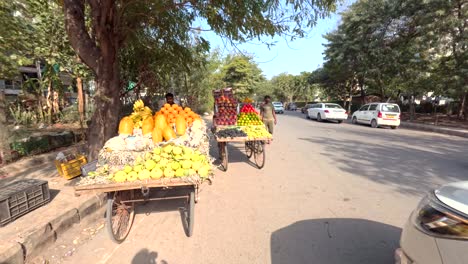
(253, 148)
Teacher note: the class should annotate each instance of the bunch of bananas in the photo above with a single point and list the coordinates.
(140, 113)
(248, 100)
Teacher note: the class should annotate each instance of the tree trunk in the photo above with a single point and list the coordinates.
(56, 102)
(461, 111)
(79, 86)
(99, 52)
(107, 107)
(50, 106)
(412, 108)
(40, 110)
(3, 130)
(350, 102)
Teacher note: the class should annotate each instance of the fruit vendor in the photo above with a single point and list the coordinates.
(170, 99)
(267, 112)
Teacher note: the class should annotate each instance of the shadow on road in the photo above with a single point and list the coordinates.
(144, 256)
(412, 167)
(330, 241)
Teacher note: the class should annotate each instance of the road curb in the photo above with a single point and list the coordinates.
(38, 238)
(11, 252)
(434, 129)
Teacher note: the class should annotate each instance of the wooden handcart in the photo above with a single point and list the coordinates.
(122, 197)
(253, 147)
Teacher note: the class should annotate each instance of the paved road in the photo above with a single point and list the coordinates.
(329, 193)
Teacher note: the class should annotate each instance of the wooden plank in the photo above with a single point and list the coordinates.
(112, 187)
(236, 139)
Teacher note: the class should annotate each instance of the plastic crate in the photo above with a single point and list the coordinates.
(72, 168)
(91, 166)
(21, 197)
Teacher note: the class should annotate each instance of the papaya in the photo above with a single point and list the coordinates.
(168, 133)
(160, 122)
(181, 125)
(157, 135)
(126, 126)
(197, 123)
(147, 126)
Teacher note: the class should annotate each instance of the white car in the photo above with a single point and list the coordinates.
(437, 231)
(378, 114)
(279, 108)
(327, 111)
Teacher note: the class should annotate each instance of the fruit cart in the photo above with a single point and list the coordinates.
(230, 114)
(122, 198)
(253, 147)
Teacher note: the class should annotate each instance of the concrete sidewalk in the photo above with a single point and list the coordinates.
(25, 237)
(436, 129)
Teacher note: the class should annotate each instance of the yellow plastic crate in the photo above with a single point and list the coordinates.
(72, 168)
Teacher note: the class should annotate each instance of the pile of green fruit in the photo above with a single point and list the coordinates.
(248, 119)
(170, 161)
(256, 132)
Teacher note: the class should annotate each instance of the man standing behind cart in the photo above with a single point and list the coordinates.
(267, 111)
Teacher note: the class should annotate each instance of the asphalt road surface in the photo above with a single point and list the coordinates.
(329, 193)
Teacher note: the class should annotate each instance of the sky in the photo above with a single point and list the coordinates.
(304, 54)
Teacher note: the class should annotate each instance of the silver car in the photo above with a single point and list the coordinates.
(437, 231)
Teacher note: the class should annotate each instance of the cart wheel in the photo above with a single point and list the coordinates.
(189, 214)
(248, 149)
(223, 155)
(259, 154)
(119, 215)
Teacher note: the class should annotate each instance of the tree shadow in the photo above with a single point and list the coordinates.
(330, 241)
(144, 256)
(410, 168)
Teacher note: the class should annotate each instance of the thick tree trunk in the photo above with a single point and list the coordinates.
(99, 52)
(461, 111)
(106, 116)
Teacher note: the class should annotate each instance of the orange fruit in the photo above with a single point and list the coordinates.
(187, 109)
(167, 106)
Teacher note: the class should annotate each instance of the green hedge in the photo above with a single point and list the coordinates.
(31, 146)
(41, 144)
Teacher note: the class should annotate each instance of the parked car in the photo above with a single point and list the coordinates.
(306, 107)
(378, 114)
(437, 231)
(292, 107)
(279, 108)
(327, 111)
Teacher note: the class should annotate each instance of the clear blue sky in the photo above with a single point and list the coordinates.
(286, 56)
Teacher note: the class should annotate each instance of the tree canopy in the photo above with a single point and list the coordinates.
(394, 48)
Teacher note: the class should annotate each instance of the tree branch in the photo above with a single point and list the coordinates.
(80, 40)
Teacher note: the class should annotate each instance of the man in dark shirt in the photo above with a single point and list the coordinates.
(170, 99)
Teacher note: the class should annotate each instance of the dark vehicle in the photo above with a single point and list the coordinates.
(306, 107)
(292, 107)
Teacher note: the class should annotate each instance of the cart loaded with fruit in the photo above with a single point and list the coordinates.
(155, 157)
(238, 122)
